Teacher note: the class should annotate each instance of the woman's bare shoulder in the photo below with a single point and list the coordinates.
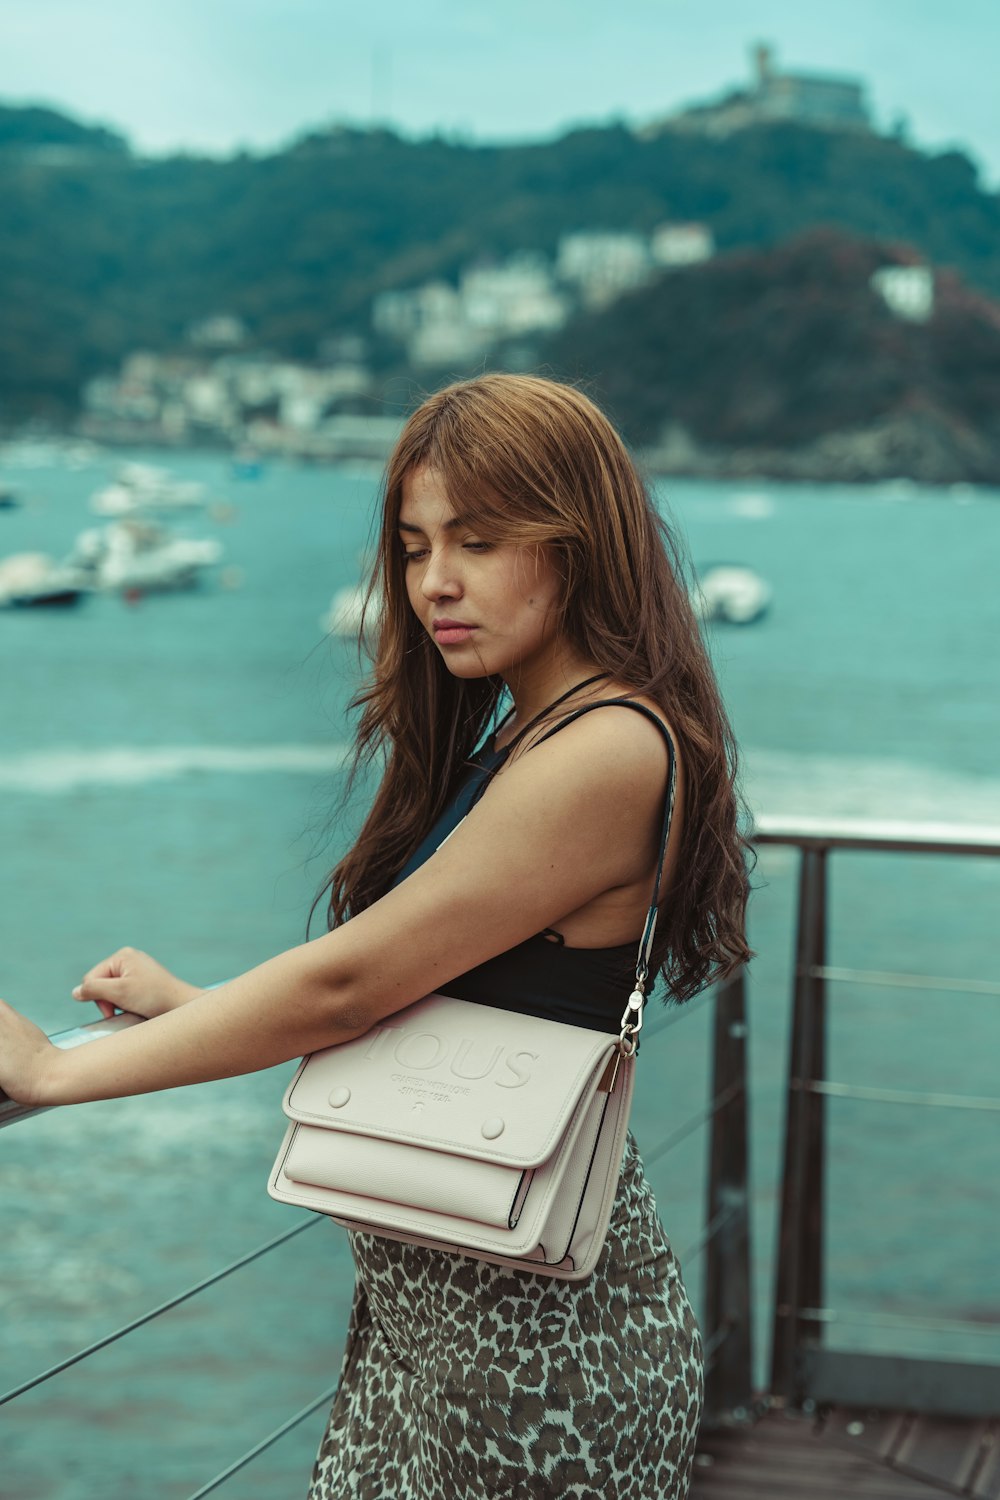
(610, 761)
(609, 727)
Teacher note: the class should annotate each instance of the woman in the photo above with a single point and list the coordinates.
(520, 559)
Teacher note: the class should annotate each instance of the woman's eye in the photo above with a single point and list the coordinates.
(416, 554)
(477, 546)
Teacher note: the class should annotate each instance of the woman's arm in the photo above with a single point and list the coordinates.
(573, 818)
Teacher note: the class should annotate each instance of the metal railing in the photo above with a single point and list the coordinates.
(724, 1239)
(803, 1370)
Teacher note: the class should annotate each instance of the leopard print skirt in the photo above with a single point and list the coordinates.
(466, 1381)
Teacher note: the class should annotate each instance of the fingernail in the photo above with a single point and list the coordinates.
(76, 992)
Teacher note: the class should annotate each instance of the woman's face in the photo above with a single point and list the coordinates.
(490, 608)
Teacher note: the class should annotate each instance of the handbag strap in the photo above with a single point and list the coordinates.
(577, 687)
(632, 1015)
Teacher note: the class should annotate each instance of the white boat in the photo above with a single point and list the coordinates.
(141, 488)
(734, 595)
(344, 615)
(142, 556)
(32, 579)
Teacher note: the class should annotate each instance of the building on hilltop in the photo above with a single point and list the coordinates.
(810, 98)
(822, 100)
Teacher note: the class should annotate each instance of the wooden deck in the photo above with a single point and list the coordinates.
(874, 1456)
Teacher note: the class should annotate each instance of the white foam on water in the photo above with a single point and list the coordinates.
(777, 783)
(53, 772)
(752, 505)
(747, 505)
(786, 784)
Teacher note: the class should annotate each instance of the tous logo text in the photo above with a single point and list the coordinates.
(465, 1058)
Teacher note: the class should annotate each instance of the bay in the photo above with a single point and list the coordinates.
(170, 776)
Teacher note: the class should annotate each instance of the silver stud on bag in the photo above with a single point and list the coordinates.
(492, 1127)
(339, 1097)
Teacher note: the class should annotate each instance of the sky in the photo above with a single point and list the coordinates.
(214, 76)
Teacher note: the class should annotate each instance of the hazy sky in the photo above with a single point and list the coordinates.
(212, 75)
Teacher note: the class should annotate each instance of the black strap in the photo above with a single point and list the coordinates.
(577, 688)
(646, 941)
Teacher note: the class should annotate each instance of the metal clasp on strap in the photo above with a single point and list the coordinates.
(631, 1023)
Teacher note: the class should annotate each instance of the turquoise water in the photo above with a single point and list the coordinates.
(167, 775)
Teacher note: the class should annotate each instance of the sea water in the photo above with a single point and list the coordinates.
(171, 771)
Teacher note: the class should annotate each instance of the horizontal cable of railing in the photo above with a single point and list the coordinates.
(675, 1013)
(901, 981)
(715, 1343)
(894, 1096)
(264, 1444)
(902, 1320)
(722, 1218)
(690, 1126)
(147, 1317)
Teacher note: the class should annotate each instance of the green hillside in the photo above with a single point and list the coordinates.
(102, 252)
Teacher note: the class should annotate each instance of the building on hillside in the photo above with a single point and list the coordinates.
(444, 325)
(602, 264)
(907, 291)
(515, 297)
(399, 315)
(681, 244)
(220, 331)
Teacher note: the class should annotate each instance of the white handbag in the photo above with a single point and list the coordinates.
(470, 1129)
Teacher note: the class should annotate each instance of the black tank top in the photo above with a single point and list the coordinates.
(541, 976)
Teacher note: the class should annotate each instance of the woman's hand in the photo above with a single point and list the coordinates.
(26, 1058)
(132, 981)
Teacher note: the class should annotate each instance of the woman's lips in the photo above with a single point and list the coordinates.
(448, 633)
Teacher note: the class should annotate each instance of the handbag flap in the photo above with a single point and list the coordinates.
(451, 1075)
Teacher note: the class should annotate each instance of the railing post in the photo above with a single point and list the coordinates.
(799, 1280)
(728, 1292)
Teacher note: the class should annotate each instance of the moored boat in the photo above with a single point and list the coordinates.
(143, 556)
(33, 579)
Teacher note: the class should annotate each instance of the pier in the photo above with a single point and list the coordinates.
(826, 1420)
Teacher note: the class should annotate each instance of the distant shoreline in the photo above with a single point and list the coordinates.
(887, 452)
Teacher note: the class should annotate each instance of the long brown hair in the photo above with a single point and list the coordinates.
(530, 460)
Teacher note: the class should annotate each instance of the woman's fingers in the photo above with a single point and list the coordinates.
(132, 981)
(105, 984)
(96, 986)
(106, 991)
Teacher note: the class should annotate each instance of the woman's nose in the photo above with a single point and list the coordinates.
(439, 580)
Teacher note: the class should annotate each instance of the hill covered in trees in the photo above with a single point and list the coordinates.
(788, 362)
(102, 252)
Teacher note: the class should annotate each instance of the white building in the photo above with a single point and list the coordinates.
(516, 297)
(820, 99)
(399, 315)
(602, 264)
(443, 325)
(207, 400)
(907, 291)
(681, 244)
(220, 331)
